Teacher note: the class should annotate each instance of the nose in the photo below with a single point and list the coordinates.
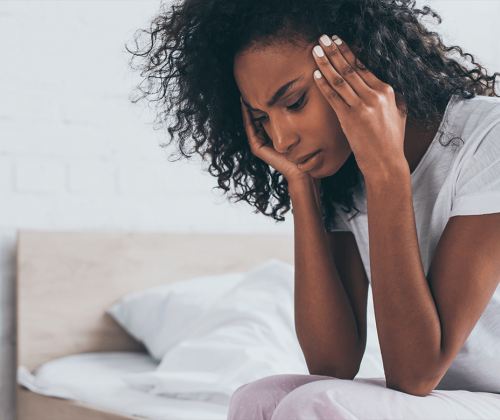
(283, 135)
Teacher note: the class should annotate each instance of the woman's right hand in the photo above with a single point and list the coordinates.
(264, 149)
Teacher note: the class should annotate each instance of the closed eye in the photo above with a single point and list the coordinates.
(293, 106)
(298, 103)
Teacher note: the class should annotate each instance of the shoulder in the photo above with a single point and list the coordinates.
(476, 170)
(478, 111)
(473, 125)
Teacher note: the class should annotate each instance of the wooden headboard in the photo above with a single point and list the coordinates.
(67, 280)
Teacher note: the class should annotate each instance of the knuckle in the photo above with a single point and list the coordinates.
(381, 98)
(347, 71)
(372, 96)
(332, 95)
(387, 89)
(339, 82)
(343, 47)
(333, 50)
(366, 113)
(360, 66)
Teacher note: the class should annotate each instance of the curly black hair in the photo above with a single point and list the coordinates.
(186, 61)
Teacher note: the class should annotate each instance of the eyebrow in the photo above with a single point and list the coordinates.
(277, 95)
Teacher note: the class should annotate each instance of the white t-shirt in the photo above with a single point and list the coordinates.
(459, 179)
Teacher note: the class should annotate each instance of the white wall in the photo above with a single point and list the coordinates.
(75, 154)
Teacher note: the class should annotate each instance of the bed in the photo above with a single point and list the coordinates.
(67, 280)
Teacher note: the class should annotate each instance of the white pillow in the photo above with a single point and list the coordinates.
(223, 340)
(162, 316)
(247, 334)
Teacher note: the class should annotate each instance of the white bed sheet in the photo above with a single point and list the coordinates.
(96, 379)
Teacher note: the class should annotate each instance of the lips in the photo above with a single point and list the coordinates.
(303, 160)
(311, 162)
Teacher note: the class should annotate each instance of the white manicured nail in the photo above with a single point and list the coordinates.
(317, 74)
(318, 51)
(337, 41)
(325, 40)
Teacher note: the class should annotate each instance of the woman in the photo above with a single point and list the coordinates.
(389, 151)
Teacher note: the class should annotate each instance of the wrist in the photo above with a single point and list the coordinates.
(394, 173)
(304, 188)
(300, 185)
(397, 180)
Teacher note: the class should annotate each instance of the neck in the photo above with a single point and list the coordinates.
(417, 140)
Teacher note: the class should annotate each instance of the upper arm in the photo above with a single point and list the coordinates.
(464, 273)
(352, 273)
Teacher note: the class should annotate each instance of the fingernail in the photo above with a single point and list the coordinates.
(325, 40)
(336, 39)
(317, 74)
(318, 51)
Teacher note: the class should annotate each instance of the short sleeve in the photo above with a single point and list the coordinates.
(478, 185)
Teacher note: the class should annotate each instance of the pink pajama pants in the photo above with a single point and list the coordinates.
(312, 397)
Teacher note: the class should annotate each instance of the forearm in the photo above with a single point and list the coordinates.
(324, 319)
(408, 324)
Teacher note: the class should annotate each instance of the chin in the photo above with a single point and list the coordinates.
(326, 170)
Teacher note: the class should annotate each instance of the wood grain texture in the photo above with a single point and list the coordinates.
(31, 406)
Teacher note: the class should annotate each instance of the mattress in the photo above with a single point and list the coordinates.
(96, 379)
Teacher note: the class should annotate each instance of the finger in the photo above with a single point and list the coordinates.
(331, 95)
(347, 57)
(259, 144)
(247, 123)
(255, 138)
(332, 76)
(332, 49)
(250, 128)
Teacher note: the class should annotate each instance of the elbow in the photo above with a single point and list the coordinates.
(344, 367)
(333, 373)
(415, 390)
(415, 387)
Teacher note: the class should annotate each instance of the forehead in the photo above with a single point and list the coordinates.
(260, 72)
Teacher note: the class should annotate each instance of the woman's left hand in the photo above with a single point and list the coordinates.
(365, 106)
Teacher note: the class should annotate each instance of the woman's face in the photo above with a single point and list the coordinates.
(276, 83)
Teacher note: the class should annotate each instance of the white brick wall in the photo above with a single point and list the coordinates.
(92, 177)
(76, 154)
(40, 175)
(6, 175)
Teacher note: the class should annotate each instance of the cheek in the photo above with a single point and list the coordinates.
(333, 139)
(321, 114)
